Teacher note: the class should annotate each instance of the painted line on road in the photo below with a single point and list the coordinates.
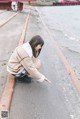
(22, 38)
(68, 67)
(6, 21)
(6, 98)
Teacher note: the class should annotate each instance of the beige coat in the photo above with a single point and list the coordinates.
(22, 58)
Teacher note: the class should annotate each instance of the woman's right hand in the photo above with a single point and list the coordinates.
(47, 80)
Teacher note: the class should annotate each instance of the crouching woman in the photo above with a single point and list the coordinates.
(23, 63)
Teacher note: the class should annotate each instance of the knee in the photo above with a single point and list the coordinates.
(38, 64)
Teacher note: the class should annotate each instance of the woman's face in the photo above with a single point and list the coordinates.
(37, 50)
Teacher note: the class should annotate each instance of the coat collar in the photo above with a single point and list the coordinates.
(28, 49)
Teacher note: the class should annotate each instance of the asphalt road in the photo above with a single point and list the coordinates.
(60, 99)
(63, 23)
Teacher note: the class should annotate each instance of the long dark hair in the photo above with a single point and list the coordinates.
(36, 40)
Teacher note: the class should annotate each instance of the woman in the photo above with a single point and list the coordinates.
(23, 63)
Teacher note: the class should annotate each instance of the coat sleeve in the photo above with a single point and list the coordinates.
(31, 69)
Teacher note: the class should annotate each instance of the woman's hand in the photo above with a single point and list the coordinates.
(47, 80)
